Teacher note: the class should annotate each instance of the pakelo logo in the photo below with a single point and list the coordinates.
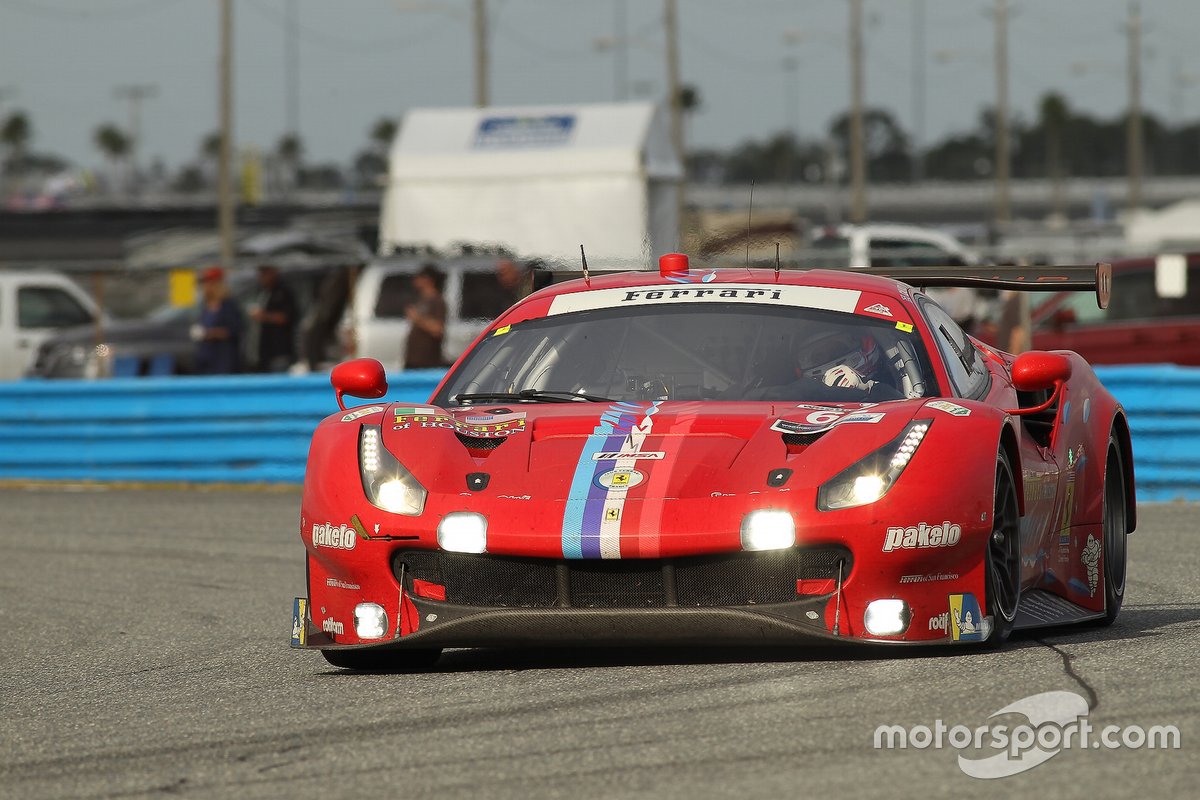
(339, 537)
(922, 535)
(330, 625)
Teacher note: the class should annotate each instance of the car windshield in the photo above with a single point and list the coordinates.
(686, 352)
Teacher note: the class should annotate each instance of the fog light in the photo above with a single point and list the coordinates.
(768, 530)
(887, 617)
(370, 621)
(463, 532)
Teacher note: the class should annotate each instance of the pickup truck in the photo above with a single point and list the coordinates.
(34, 305)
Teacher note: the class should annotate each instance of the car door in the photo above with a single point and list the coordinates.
(41, 309)
(1040, 473)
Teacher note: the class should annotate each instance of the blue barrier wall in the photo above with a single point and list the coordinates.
(257, 428)
(245, 429)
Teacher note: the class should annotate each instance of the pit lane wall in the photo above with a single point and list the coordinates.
(236, 429)
(256, 429)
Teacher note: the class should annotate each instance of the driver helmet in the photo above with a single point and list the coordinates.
(827, 350)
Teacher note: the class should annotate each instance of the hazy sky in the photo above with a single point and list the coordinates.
(60, 60)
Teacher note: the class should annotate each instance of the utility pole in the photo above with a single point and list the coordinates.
(482, 90)
(1003, 196)
(1134, 124)
(858, 167)
(675, 99)
(225, 195)
(291, 56)
(135, 94)
(919, 58)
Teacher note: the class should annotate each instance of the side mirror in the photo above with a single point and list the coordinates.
(1040, 371)
(362, 377)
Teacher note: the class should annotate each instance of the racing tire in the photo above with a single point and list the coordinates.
(1116, 525)
(382, 660)
(1002, 561)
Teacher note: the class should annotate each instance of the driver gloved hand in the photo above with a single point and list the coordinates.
(845, 377)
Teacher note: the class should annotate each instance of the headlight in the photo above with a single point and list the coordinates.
(768, 529)
(870, 479)
(387, 484)
(463, 532)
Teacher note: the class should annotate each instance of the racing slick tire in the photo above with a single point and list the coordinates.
(382, 660)
(1115, 532)
(1002, 578)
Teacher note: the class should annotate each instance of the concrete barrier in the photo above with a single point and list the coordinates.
(257, 428)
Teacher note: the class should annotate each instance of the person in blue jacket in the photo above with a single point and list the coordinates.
(219, 331)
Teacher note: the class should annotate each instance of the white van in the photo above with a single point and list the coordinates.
(375, 323)
(34, 305)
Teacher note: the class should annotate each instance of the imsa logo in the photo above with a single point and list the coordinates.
(922, 536)
(339, 537)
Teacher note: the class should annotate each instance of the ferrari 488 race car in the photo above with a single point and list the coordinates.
(720, 456)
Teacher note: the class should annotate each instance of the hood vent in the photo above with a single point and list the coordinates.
(480, 442)
(802, 439)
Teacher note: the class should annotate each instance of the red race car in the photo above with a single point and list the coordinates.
(720, 456)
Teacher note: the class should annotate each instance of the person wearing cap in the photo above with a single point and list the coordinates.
(275, 313)
(427, 320)
(218, 334)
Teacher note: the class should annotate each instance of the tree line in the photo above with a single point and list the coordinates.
(1060, 142)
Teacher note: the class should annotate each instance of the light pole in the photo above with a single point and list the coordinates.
(225, 196)
(858, 167)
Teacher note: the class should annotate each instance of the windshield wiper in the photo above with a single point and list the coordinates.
(536, 395)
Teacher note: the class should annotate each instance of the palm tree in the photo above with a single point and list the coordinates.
(15, 134)
(382, 133)
(115, 145)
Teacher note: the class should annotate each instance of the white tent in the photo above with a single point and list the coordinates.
(1176, 227)
(537, 180)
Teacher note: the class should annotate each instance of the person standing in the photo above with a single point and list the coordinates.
(427, 320)
(275, 314)
(219, 332)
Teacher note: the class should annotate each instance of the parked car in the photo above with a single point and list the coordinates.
(160, 344)
(884, 245)
(375, 322)
(1141, 325)
(33, 307)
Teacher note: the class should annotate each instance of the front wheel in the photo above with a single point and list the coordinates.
(1003, 556)
(382, 660)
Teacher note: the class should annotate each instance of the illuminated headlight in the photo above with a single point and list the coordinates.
(870, 479)
(887, 617)
(767, 529)
(370, 621)
(463, 532)
(386, 482)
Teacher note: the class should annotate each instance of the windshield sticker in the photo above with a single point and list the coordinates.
(904, 326)
(502, 331)
(879, 308)
(818, 297)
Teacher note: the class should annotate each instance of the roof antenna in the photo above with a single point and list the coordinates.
(587, 278)
(749, 216)
(777, 261)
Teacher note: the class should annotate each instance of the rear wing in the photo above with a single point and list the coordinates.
(1071, 278)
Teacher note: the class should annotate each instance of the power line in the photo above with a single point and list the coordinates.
(343, 44)
(38, 8)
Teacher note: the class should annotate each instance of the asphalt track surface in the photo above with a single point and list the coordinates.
(145, 654)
